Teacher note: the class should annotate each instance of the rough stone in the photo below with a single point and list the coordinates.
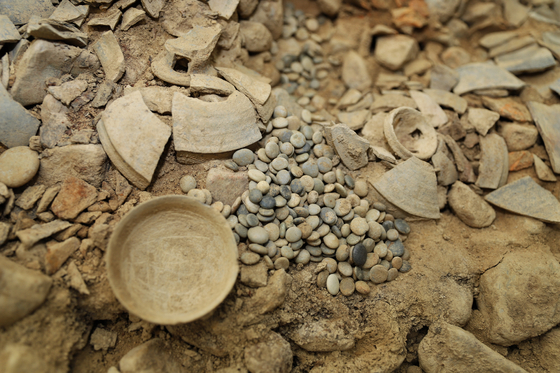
(508, 108)
(50, 29)
(256, 36)
(543, 172)
(131, 17)
(20, 11)
(31, 195)
(520, 160)
(86, 162)
(354, 72)
(21, 291)
(351, 148)
(323, 336)
(393, 51)
(133, 137)
(255, 90)
(110, 55)
(66, 12)
(75, 196)
(16, 124)
(448, 99)
(255, 276)
(8, 32)
(271, 14)
(55, 122)
(472, 209)
(108, 19)
(450, 348)
(518, 136)
(102, 339)
(18, 166)
(30, 236)
(151, 356)
(153, 7)
(270, 297)
(273, 355)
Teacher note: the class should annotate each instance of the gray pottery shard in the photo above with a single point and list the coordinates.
(20, 11)
(429, 108)
(447, 174)
(351, 148)
(485, 75)
(133, 138)
(530, 59)
(411, 186)
(448, 99)
(16, 124)
(8, 32)
(53, 30)
(409, 134)
(526, 197)
(209, 84)
(213, 127)
(493, 170)
(163, 67)
(543, 172)
(110, 55)
(547, 119)
(257, 91)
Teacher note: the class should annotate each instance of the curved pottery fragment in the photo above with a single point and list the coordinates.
(411, 186)
(526, 197)
(201, 127)
(162, 67)
(409, 134)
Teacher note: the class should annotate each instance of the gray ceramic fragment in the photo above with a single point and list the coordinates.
(485, 75)
(530, 59)
(493, 169)
(547, 119)
(16, 124)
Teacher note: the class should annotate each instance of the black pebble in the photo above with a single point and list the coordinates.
(359, 255)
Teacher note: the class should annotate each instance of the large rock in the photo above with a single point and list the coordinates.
(21, 291)
(273, 355)
(133, 137)
(354, 71)
(448, 348)
(74, 197)
(44, 60)
(472, 209)
(550, 350)
(394, 51)
(150, 357)
(520, 297)
(16, 124)
(86, 162)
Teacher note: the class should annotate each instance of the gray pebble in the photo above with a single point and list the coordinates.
(268, 202)
(293, 234)
(302, 158)
(297, 140)
(187, 183)
(258, 249)
(296, 186)
(255, 196)
(402, 226)
(392, 234)
(405, 266)
(396, 247)
(328, 215)
(243, 157)
(287, 148)
(279, 163)
(252, 220)
(352, 239)
(303, 257)
(240, 230)
(287, 252)
(283, 177)
(307, 132)
(258, 235)
(379, 206)
(231, 165)
(378, 274)
(342, 253)
(345, 269)
(318, 186)
(310, 168)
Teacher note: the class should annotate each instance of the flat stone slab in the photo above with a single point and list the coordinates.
(526, 197)
(20, 11)
(494, 39)
(547, 119)
(74, 197)
(494, 162)
(448, 99)
(257, 91)
(530, 59)
(110, 55)
(8, 32)
(485, 75)
(16, 124)
(511, 46)
(133, 137)
(225, 8)
(68, 91)
(67, 12)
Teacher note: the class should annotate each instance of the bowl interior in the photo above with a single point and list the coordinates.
(172, 260)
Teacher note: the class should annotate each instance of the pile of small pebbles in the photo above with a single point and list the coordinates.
(301, 208)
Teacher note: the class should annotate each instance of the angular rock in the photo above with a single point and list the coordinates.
(104, 93)
(531, 59)
(49, 29)
(21, 291)
(443, 9)
(518, 136)
(16, 124)
(210, 85)
(151, 356)
(493, 169)
(271, 14)
(196, 46)
(153, 7)
(323, 336)
(443, 77)
(67, 92)
(526, 197)
(451, 349)
(448, 99)
(495, 39)
(76, 279)
(270, 297)
(417, 67)
(447, 174)
(469, 207)
(131, 17)
(43, 60)
(273, 354)
(255, 90)
(102, 339)
(355, 120)
(255, 276)
(351, 148)
(55, 122)
(455, 57)
(547, 119)
(543, 172)
(8, 32)
(256, 36)
(485, 75)
(226, 186)
(30, 236)
(110, 55)
(515, 13)
(75, 196)
(133, 138)
(393, 51)
(482, 120)
(86, 162)
(373, 131)
(31, 195)
(508, 108)
(354, 71)
(58, 253)
(20, 11)
(511, 46)
(429, 109)
(224, 8)
(228, 125)
(107, 20)
(47, 198)
(66, 12)
(520, 160)
(519, 297)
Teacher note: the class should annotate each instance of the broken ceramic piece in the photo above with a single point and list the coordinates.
(409, 134)
(8, 32)
(67, 12)
(482, 120)
(351, 148)
(131, 17)
(20, 11)
(393, 51)
(257, 91)
(433, 113)
(493, 169)
(202, 128)
(16, 124)
(355, 120)
(530, 59)
(495, 39)
(133, 138)
(391, 101)
(68, 91)
(158, 99)
(547, 119)
(163, 67)
(411, 186)
(463, 165)
(526, 197)
(511, 46)
(49, 29)
(110, 55)
(543, 172)
(508, 108)
(207, 84)
(153, 7)
(447, 173)
(224, 8)
(448, 99)
(485, 75)
(107, 20)
(55, 122)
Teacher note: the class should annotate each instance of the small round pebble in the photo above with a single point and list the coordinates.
(283, 177)
(359, 255)
(342, 253)
(198, 194)
(392, 274)
(287, 148)
(331, 241)
(279, 123)
(231, 165)
(397, 262)
(402, 226)
(297, 140)
(359, 226)
(345, 269)
(405, 266)
(279, 163)
(187, 183)
(272, 150)
(258, 235)
(333, 286)
(255, 195)
(347, 286)
(380, 249)
(282, 263)
(250, 258)
(273, 231)
(392, 234)
(362, 287)
(256, 175)
(306, 116)
(243, 157)
(324, 164)
(310, 168)
(303, 257)
(361, 188)
(378, 274)
(268, 202)
(18, 165)
(280, 112)
(331, 264)
(375, 230)
(293, 234)
(328, 215)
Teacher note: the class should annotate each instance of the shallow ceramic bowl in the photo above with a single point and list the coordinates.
(172, 260)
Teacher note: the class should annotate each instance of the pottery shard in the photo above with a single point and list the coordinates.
(210, 85)
(508, 108)
(225, 185)
(520, 297)
(133, 137)
(74, 197)
(16, 124)
(429, 108)
(482, 120)
(50, 29)
(485, 75)
(68, 91)
(520, 160)
(493, 170)
(393, 51)
(323, 336)
(43, 60)
(86, 162)
(351, 148)
(255, 36)
(530, 59)
(272, 355)
(8, 32)
(158, 99)
(58, 252)
(153, 7)
(354, 71)
(21, 291)
(518, 136)
(543, 172)
(110, 55)
(451, 349)
(228, 125)
(255, 90)
(472, 209)
(448, 99)
(271, 14)
(526, 197)
(447, 174)
(20, 11)
(547, 119)
(29, 237)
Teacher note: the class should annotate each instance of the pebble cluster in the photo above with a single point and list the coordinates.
(300, 207)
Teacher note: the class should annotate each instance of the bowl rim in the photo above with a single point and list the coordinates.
(120, 290)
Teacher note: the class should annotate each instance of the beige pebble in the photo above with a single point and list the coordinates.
(378, 274)
(331, 264)
(392, 274)
(347, 286)
(362, 287)
(396, 262)
(322, 279)
(372, 259)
